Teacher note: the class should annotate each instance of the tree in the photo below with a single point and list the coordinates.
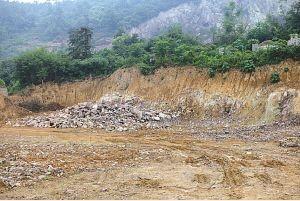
(293, 18)
(38, 66)
(232, 26)
(2, 83)
(162, 50)
(262, 32)
(7, 71)
(122, 44)
(184, 54)
(119, 33)
(80, 43)
(275, 78)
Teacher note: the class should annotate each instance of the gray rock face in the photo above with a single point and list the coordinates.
(112, 112)
(199, 17)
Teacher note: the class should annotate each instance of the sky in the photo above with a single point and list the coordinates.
(33, 1)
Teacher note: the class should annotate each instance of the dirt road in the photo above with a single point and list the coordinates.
(93, 164)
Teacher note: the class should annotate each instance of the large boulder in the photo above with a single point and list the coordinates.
(282, 104)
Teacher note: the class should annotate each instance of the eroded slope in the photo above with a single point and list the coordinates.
(189, 89)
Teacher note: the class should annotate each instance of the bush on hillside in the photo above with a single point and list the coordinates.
(14, 87)
(275, 78)
(94, 66)
(248, 66)
(225, 67)
(2, 83)
(146, 69)
(212, 72)
(38, 66)
(173, 48)
(286, 69)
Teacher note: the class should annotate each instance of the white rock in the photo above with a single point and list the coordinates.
(156, 118)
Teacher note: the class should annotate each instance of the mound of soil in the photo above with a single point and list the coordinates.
(10, 111)
(38, 106)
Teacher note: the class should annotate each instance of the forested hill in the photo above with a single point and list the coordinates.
(26, 26)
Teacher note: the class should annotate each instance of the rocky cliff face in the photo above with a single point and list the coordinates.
(200, 16)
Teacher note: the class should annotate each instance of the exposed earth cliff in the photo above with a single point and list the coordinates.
(190, 90)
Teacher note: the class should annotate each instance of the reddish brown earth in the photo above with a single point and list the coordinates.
(150, 165)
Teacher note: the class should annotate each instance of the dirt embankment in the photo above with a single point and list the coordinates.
(190, 89)
(8, 110)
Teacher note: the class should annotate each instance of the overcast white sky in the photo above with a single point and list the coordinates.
(32, 1)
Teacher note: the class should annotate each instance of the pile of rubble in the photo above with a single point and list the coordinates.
(112, 112)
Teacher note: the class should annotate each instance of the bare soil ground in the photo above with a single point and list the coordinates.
(179, 163)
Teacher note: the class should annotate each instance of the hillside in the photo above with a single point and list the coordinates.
(25, 26)
(200, 17)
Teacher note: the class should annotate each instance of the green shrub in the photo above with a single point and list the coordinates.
(275, 78)
(276, 54)
(225, 67)
(2, 83)
(236, 59)
(92, 66)
(14, 87)
(169, 49)
(212, 72)
(240, 44)
(248, 66)
(286, 69)
(7, 71)
(184, 55)
(146, 69)
(38, 66)
(202, 60)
